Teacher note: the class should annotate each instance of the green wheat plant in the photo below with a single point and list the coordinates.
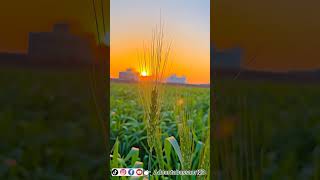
(185, 134)
(153, 61)
(205, 154)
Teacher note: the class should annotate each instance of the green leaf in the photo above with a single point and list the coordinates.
(167, 150)
(138, 164)
(133, 154)
(199, 147)
(174, 143)
(196, 154)
(122, 162)
(115, 156)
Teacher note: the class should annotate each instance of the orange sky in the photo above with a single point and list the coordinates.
(284, 34)
(17, 19)
(286, 31)
(189, 32)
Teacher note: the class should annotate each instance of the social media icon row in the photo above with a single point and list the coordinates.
(128, 172)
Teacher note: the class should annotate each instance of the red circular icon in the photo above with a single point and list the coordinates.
(123, 172)
(139, 172)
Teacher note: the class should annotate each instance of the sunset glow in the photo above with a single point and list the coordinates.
(144, 73)
(131, 28)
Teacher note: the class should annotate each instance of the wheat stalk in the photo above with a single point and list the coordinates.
(153, 60)
(184, 132)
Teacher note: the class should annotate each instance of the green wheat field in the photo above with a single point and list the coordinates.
(48, 126)
(262, 130)
(49, 129)
(129, 137)
(266, 130)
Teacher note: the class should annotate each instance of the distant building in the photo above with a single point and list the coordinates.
(226, 59)
(174, 79)
(129, 75)
(59, 45)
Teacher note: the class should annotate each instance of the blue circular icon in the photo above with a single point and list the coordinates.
(131, 172)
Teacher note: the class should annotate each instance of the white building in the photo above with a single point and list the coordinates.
(174, 79)
(129, 75)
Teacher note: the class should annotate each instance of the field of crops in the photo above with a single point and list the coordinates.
(49, 129)
(129, 136)
(262, 130)
(48, 126)
(266, 130)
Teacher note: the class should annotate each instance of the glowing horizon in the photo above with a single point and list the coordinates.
(132, 23)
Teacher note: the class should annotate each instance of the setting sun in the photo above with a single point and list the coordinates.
(144, 73)
(191, 60)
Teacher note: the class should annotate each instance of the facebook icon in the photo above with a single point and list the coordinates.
(131, 172)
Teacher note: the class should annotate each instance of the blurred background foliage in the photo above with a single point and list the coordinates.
(48, 126)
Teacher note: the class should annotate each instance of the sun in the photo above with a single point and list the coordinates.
(144, 73)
